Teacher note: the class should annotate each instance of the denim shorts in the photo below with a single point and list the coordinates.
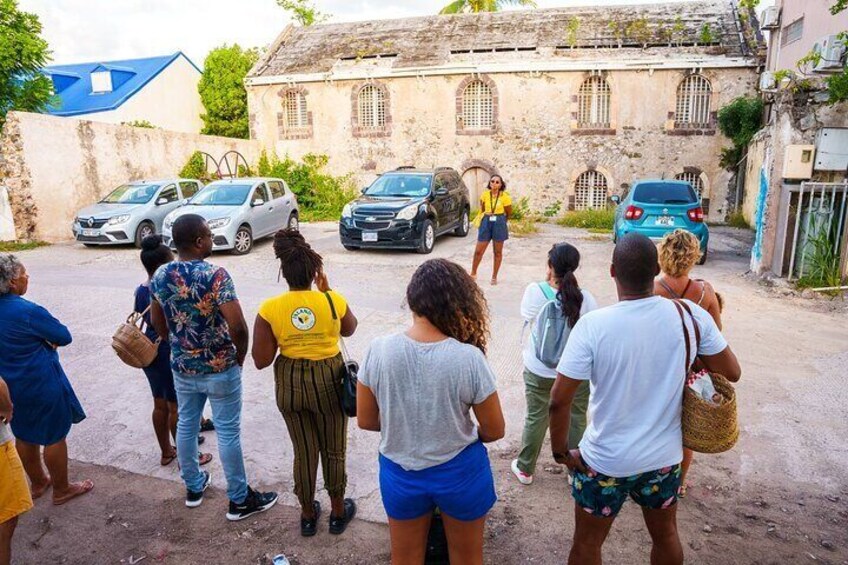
(496, 230)
(462, 488)
(601, 495)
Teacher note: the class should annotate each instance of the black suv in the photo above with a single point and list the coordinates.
(407, 209)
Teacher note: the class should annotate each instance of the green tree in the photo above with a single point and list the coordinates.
(303, 12)
(739, 121)
(475, 6)
(222, 91)
(23, 52)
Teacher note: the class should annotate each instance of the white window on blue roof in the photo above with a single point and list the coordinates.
(101, 81)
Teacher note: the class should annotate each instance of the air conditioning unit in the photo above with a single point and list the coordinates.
(770, 18)
(798, 162)
(768, 82)
(831, 51)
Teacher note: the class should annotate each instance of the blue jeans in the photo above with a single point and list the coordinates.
(224, 393)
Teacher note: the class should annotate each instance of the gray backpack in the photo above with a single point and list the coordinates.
(550, 330)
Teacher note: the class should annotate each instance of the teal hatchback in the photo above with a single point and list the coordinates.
(656, 207)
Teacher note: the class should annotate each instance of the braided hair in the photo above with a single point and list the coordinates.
(298, 261)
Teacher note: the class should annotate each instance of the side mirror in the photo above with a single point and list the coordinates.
(185, 201)
(257, 202)
(161, 201)
(616, 199)
(364, 188)
(441, 191)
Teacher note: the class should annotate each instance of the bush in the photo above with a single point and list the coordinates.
(552, 209)
(597, 219)
(17, 246)
(195, 168)
(521, 209)
(737, 220)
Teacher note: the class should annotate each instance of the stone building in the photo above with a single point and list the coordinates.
(570, 105)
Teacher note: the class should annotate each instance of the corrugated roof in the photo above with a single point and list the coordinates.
(435, 40)
(72, 83)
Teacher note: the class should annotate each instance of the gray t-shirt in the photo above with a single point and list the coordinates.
(5, 433)
(425, 392)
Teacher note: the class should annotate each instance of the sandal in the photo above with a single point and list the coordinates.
(204, 458)
(207, 425)
(200, 440)
(168, 459)
(39, 492)
(494, 282)
(338, 525)
(309, 526)
(77, 489)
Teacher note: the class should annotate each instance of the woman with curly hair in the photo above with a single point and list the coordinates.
(305, 325)
(679, 252)
(418, 388)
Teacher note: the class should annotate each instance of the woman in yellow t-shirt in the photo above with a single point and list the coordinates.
(495, 210)
(305, 325)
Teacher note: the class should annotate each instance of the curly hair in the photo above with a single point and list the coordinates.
(298, 261)
(678, 253)
(445, 294)
(10, 269)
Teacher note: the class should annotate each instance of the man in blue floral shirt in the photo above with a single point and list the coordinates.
(196, 307)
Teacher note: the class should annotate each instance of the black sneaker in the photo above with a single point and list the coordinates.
(207, 426)
(309, 526)
(254, 503)
(339, 524)
(193, 499)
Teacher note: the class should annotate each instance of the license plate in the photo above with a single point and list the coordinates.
(369, 236)
(90, 233)
(665, 221)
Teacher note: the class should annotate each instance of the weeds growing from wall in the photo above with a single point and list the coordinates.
(598, 219)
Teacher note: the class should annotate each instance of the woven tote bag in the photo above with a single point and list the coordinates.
(132, 346)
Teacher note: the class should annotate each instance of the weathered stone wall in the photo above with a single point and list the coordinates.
(536, 146)
(54, 166)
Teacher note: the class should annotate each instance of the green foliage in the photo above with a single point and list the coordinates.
(837, 86)
(477, 6)
(706, 36)
(303, 12)
(596, 219)
(639, 30)
(17, 246)
(838, 6)
(139, 124)
(552, 209)
(524, 226)
(783, 74)
(739, 121)
(222, 91)
(821, 266)
(23, 52)
(617, 30)
(195, 168)
(737, 220)
(679, 28)
(521, 209)
(571, 31)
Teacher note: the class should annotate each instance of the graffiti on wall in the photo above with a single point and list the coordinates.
(760, 214)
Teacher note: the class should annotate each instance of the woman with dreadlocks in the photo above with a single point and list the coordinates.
(304, 324)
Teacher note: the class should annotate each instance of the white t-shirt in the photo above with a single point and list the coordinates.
(633, 355)
(532, 302)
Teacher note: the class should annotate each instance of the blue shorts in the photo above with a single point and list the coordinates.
(463, 488)
(493, 231)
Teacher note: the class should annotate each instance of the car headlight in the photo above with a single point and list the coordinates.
(115, 220)
(218, 223)
(347, 211)
(408, 213)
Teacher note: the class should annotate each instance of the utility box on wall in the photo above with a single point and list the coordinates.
(832, 149)
(798, 162)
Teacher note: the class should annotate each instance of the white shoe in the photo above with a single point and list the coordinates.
(522, 477)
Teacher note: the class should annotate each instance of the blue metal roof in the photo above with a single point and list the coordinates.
(72, 83)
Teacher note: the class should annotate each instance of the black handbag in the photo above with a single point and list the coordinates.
(349, 371)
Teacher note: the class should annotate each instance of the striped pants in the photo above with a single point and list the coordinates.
(309, 398)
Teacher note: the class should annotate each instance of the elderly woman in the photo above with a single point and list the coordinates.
(45, 404)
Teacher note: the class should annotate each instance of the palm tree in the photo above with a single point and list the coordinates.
(474, 6)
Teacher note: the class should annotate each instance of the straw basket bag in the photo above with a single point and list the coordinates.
(707, 427)
(132, 346)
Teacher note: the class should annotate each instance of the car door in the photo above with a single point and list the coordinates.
(282, 208)
(164, 203)
(261, 209)
(441, 201)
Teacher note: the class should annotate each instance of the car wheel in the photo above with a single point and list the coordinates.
(703, 258)
(294, 222)
(464, 224)
(243, 241)
(428, 238)
(350, 247)
(144, 229)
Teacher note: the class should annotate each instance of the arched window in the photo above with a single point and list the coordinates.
(693, 103)
(695, 180)
(371, 105)
(477, 106)
(294, 110)
(594, 103)
(590, 191)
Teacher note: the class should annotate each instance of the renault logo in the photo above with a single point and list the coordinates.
(90, 222)
(665, 210)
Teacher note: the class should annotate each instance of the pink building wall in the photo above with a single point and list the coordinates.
(818, 22)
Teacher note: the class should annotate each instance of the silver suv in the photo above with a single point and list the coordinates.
(132, 211)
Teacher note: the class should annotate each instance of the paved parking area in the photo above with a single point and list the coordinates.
(791, 353)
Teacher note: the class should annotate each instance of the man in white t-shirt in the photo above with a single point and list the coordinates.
(634, 356)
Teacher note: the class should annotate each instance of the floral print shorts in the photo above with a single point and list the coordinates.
(604, 496)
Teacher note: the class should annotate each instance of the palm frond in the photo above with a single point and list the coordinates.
(455, 7)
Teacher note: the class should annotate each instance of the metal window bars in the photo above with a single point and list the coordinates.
(295, 110)
(593, 101)
(590, 191)
(477, 106)
(695, 180)
(820, 208)
(372, 107)
(693, 103)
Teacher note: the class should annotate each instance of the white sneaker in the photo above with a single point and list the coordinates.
(522, 477)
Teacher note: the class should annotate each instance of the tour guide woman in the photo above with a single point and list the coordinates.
(305, 325)
(495, 210)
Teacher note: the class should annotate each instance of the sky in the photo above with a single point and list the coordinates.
(102, 30)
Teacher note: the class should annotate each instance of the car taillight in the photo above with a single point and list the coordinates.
(633, 213)
(696, 214)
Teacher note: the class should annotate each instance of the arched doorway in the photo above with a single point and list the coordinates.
(477, 180)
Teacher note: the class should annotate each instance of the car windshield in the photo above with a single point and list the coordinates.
(222, 195)
(132, 194)
(406, 185)
(665, 193)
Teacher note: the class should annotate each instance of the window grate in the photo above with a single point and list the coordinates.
(695, 180)
(372, 107)
(590, 191)
(477, 106)
(693, 103)
(792, 33)
(294, 107)
(594, 103)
